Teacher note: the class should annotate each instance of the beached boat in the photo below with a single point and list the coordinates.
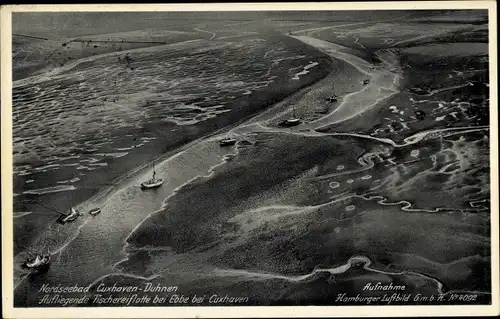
(95, 211)
(290, 122)
(332, 98)
(39, 263)
(153, 182)
(295, 120)
(70, 217)
(227, 141)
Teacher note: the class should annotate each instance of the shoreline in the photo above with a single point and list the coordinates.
(385, 157)
(122, 273)
(381, 78)
(127, 184)
(254, 120)
(130, 178)
(101, 196)
(247, 105)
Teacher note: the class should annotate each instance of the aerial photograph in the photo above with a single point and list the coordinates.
(251, 158)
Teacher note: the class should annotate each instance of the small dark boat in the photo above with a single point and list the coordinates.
(95, 211)
(153, 182)
(332, 98)
(40, 263)
(227, 141)
(71, 217)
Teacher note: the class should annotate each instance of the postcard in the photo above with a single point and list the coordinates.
(250, 160)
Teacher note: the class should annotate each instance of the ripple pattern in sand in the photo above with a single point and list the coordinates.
(69, 116)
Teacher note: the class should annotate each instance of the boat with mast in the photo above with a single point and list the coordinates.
(293, 121)
(38, 263)
(333, 97)
(153, 182)
(227, 141)
(70, 217)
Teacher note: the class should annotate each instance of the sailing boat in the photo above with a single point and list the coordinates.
(70, 217)
(332, 98)
(39, 263)
(227, 141)
(153, 182)
(291, 121)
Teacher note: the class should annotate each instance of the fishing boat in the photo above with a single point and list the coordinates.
(70, 217)
(332, 98)
(227, 141)
(291, 121)
(153, 182)
(39, 263)
(95, 211)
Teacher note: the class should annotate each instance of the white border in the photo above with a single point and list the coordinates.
(235, 312)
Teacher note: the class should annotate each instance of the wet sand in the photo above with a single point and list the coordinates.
(350, 208)
(253, 244)
(163, 139)
(194, 161)
(78, 233)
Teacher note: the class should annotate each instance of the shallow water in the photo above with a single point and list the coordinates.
(350, 207)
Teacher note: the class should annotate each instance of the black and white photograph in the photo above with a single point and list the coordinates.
(207, 158)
